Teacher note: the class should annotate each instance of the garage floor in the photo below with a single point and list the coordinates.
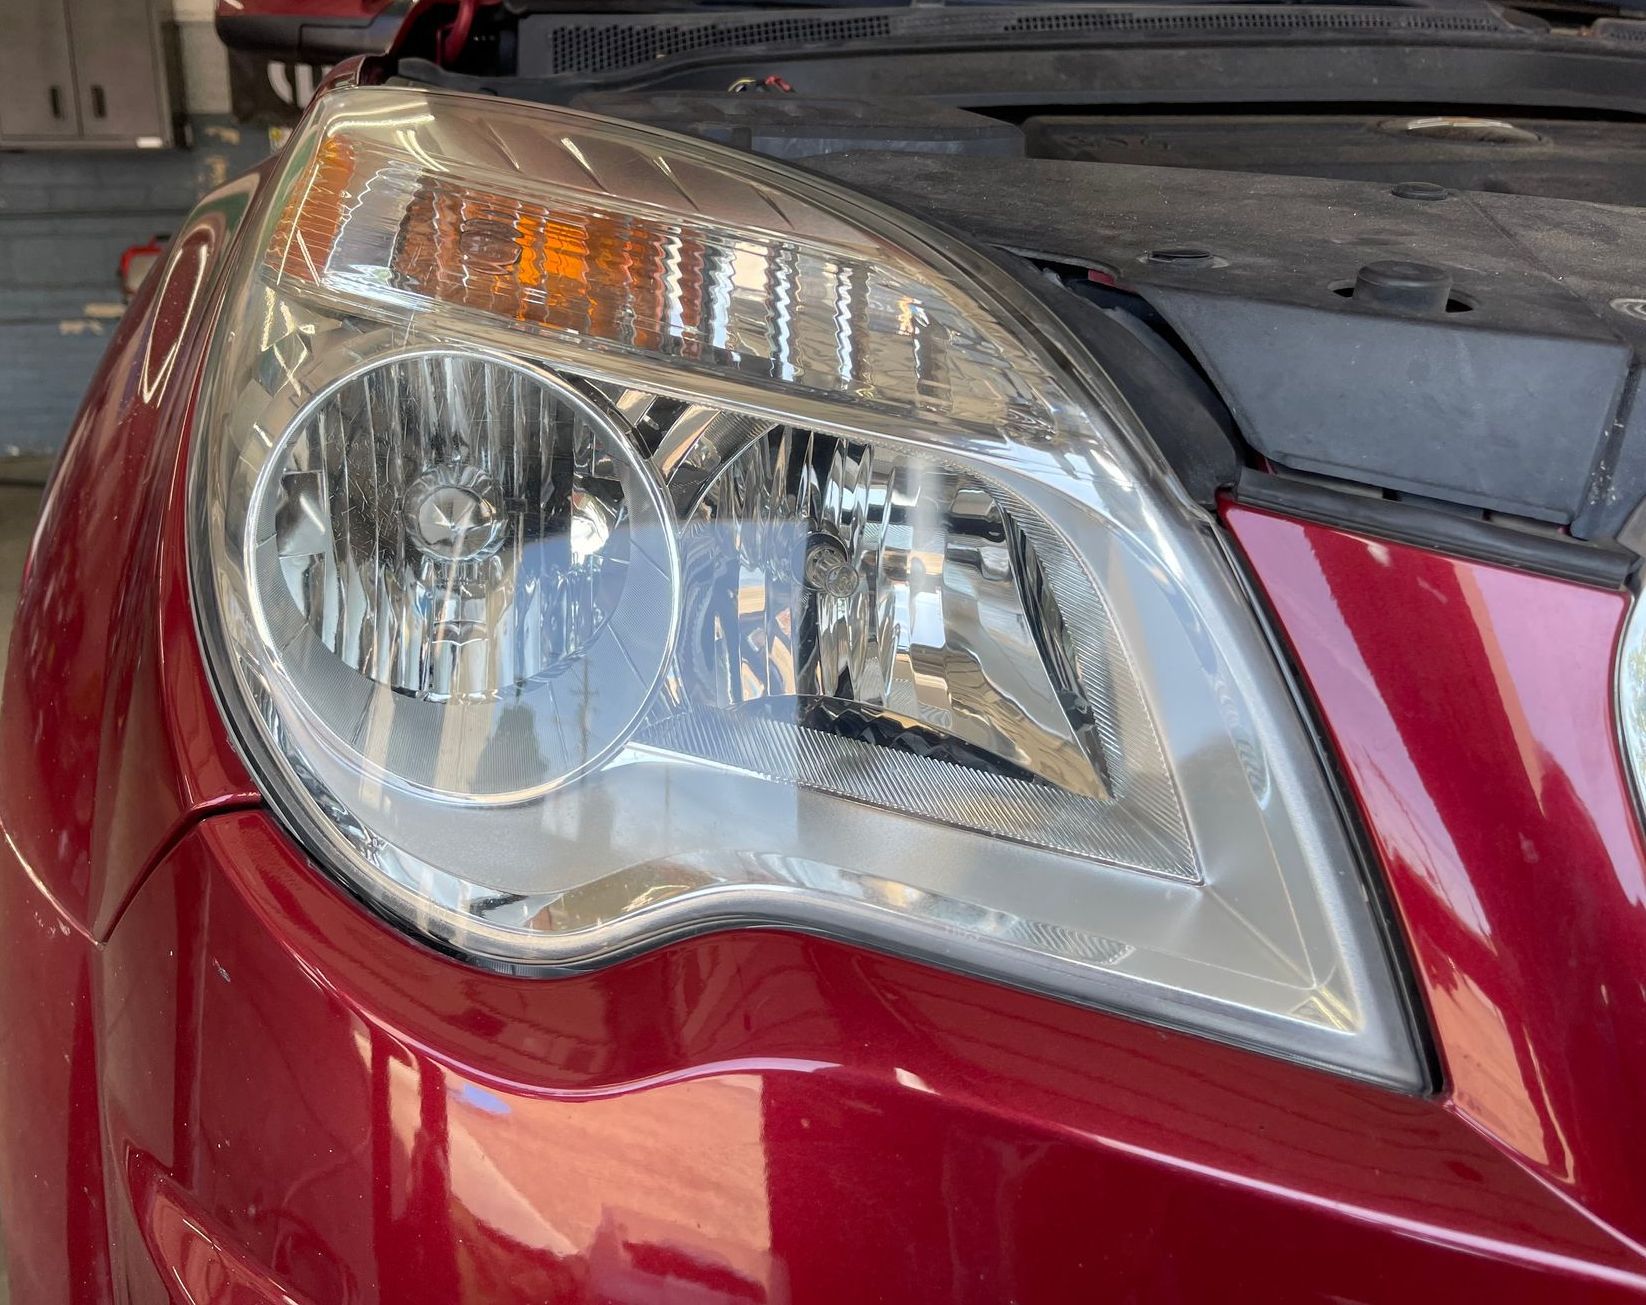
(20, 484)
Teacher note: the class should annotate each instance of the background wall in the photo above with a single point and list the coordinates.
(65, 218)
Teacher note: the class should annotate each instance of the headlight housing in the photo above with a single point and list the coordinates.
(603, 537)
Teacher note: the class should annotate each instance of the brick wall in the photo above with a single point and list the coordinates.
(66, 216)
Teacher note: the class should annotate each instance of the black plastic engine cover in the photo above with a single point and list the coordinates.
(1527, 155)
(1519, 396)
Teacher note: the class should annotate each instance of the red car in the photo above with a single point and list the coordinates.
(701, 655)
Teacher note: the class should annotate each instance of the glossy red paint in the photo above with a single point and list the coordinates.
(1471, 707)
(110, 747)
(110, 740)
(320, 9)
(51, 1158)
(256, 1089)
(201, 1261)
(753, 1116)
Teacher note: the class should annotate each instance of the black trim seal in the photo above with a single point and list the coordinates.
(1601, 565)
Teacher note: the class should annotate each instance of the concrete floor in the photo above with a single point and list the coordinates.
(20, 484)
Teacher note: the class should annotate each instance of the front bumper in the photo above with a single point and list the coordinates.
(274, 1096)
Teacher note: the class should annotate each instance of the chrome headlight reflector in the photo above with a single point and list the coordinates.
(604, 536)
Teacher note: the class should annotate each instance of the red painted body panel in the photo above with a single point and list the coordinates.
(110, 740)
(1472, 709)
(110, 747)
(223, 1081)
(271, 1092)
(754, 1116)
(319, 30)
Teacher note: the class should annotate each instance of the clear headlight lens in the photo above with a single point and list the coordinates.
(604, 536)
(452, 553)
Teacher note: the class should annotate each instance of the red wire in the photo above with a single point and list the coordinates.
(456, 36)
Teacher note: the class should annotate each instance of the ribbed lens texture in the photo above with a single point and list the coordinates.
(880, 625)
(467, 571)
(893, 596)
(711, 298)
(471, 572)
(448, 527)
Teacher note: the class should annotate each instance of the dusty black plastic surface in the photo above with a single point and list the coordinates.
(1418, 288)
(557, 40)
(1511, 405)
(1618, 486)
(975, 56)
(798, 126)
(1601, 160)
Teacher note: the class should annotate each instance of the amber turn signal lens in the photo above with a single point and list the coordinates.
(597, 274)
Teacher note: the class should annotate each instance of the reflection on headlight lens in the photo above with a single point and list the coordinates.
(445, 525)
(886, 600)
(488, 543)
(482, 541)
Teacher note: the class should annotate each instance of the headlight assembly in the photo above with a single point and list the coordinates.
(603, 537)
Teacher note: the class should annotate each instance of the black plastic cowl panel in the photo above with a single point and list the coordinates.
(559, 41)
(1513, 401)
(1503, 420)
(790, 126)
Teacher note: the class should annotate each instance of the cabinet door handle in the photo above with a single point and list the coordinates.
(56, 94)
(99, 103)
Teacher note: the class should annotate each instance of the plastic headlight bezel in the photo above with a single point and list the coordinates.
(1380, 1043)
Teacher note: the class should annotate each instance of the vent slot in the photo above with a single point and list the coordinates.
(603, 46)
(556, 46)
(1248, 20)
(1619, 29)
